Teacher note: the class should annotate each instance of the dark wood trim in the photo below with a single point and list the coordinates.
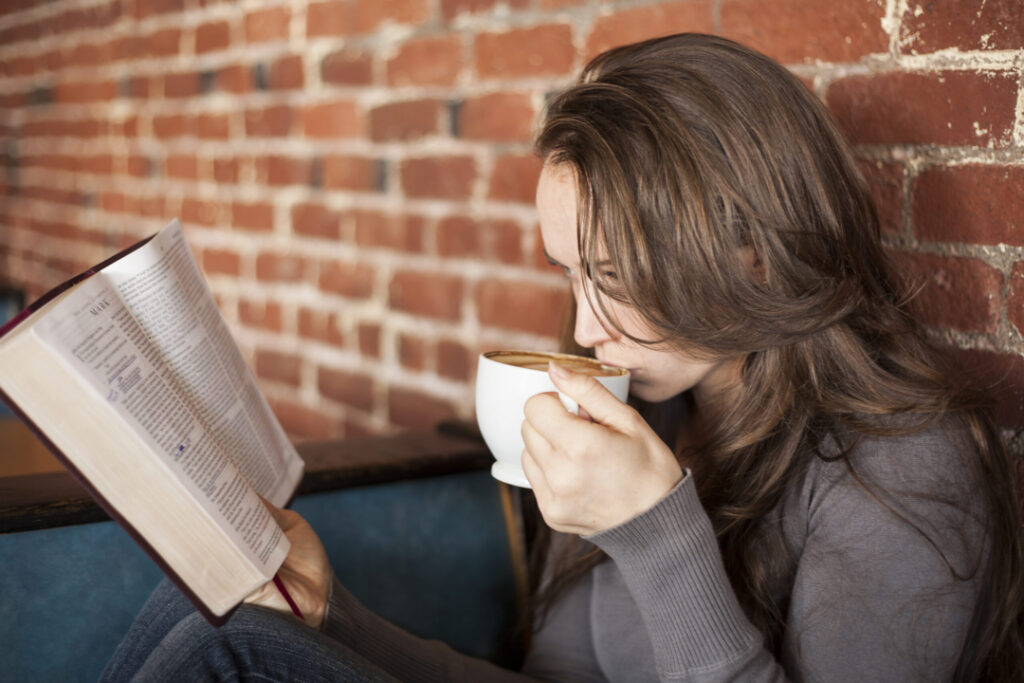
(43, 501)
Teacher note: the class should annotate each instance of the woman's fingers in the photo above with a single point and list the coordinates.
(593, 398)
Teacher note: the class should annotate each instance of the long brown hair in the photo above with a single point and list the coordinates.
(690, 151)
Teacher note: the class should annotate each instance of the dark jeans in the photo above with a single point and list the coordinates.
(170, 641)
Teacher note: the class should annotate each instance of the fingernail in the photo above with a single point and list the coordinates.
(558, 370)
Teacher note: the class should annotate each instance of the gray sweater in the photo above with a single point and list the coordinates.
(876, 588)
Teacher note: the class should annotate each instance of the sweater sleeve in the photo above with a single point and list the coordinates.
(883, 587)
(399, 653)
(669, 559)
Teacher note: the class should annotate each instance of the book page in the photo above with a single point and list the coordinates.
(168, 297)
(193, 420)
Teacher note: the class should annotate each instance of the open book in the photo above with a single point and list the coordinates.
(130, 376)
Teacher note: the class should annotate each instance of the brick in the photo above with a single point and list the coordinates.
(807, 30)
(212, 37)
(202, 212)
(495, 240)
(946, 108)
(272, 266)
(178, 85)
(352, 280)
(631, 25)
(458, 237)
(427, 61)
(416, 409)
(127, 127)
(150, 8)
(181, 166)
(412, 352)
(139, 166)
(347, 66)
(315, 220)
(277, 170)
(341, 172)
(1001, 377)
(452, 8)
(514, 178)
(405, 120)
(22, 66)
(432, 295)
(955, 293)
(101, 164)
(302, 422)
(173, 126)
(267, 25)
(77, 92)
(521, 305)
(390, 231)
(351, 388)
(327, 19)
(974, 203)
(154, 207)
(967, 26)
(235, 79)
(369, 340)
(285, 368)
(312, 324)
(263, 314)
(438, 177)
(286, 73)
(368, 15)
(454, 361)
(1015, 301)
(213, 126)
(252, 216)
(88, 55)
(225, 170)
(500, 117)
(221, 262)
(130, 47)
(320, 326)
(886, 184)
(340, 119)
(539, 51)
(274, 121)
(504, 241)
(115, 202)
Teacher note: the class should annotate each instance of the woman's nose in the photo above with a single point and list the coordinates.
(589, 330)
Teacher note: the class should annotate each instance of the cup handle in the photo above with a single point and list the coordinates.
(569, 404)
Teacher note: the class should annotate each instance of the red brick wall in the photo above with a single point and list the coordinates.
(355, 176)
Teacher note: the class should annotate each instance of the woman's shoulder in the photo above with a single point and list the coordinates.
(922, 475)
(897, 451)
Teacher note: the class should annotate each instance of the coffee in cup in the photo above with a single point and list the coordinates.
(505, 380)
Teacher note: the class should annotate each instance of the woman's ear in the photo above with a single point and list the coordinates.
(753, 263)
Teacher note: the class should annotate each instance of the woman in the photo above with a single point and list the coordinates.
(796, 491)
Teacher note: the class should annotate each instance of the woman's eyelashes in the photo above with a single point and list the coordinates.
(603, 276)
(566, 270)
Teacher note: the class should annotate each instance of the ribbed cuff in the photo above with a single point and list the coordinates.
(669, 559)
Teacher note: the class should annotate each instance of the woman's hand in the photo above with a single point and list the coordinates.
(306, 572)
(591, 476)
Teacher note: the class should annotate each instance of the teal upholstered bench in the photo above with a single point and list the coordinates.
(414, 526)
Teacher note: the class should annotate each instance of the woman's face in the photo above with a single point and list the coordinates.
(658, 373)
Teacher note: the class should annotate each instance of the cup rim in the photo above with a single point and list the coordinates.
(612, 370)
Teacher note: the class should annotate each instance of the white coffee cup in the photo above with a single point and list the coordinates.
(504, 382)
